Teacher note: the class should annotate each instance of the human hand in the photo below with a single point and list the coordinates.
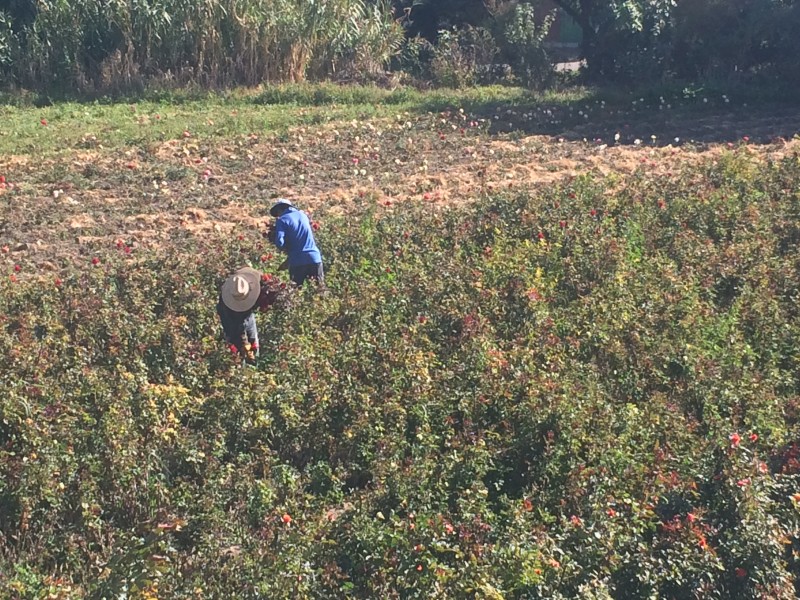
(251, 353)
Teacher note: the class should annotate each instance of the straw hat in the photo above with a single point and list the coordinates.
(241, 290)
(280, 204)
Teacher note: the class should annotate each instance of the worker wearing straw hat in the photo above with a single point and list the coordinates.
(241, 294)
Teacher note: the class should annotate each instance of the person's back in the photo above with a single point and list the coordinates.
(293, 233)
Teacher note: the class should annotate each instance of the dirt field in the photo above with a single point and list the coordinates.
(72, 203)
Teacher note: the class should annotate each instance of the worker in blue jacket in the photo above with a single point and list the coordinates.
(293, 234)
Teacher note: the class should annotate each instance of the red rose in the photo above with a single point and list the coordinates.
(753, 437)
(735, 438)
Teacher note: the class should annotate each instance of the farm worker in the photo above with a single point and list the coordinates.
(293, 234)
(241, 295)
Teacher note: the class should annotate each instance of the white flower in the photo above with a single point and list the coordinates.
(637, 142)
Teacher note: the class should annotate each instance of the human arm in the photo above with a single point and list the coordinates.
(279, 235)
(251, 330)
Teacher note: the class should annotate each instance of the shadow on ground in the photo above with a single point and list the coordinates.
(651, 120)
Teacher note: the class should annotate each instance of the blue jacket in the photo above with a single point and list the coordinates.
(293, 235)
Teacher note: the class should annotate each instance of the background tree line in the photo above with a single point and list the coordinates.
(117, 44)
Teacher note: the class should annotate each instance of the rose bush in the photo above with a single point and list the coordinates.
(535, 397)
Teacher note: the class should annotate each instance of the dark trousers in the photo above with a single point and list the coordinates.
(300, 274)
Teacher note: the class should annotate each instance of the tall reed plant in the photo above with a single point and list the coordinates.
(122, 43)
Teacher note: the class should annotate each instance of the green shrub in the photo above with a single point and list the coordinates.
(589, 390)
(89, 45)
(462, 57)
(737, 40)
(522, 41)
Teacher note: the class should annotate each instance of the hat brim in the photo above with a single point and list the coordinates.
(235, 304)
(278, 205)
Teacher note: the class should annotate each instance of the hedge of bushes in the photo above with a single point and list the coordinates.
(585, 391)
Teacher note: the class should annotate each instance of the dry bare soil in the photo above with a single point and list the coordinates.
(62, 205)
